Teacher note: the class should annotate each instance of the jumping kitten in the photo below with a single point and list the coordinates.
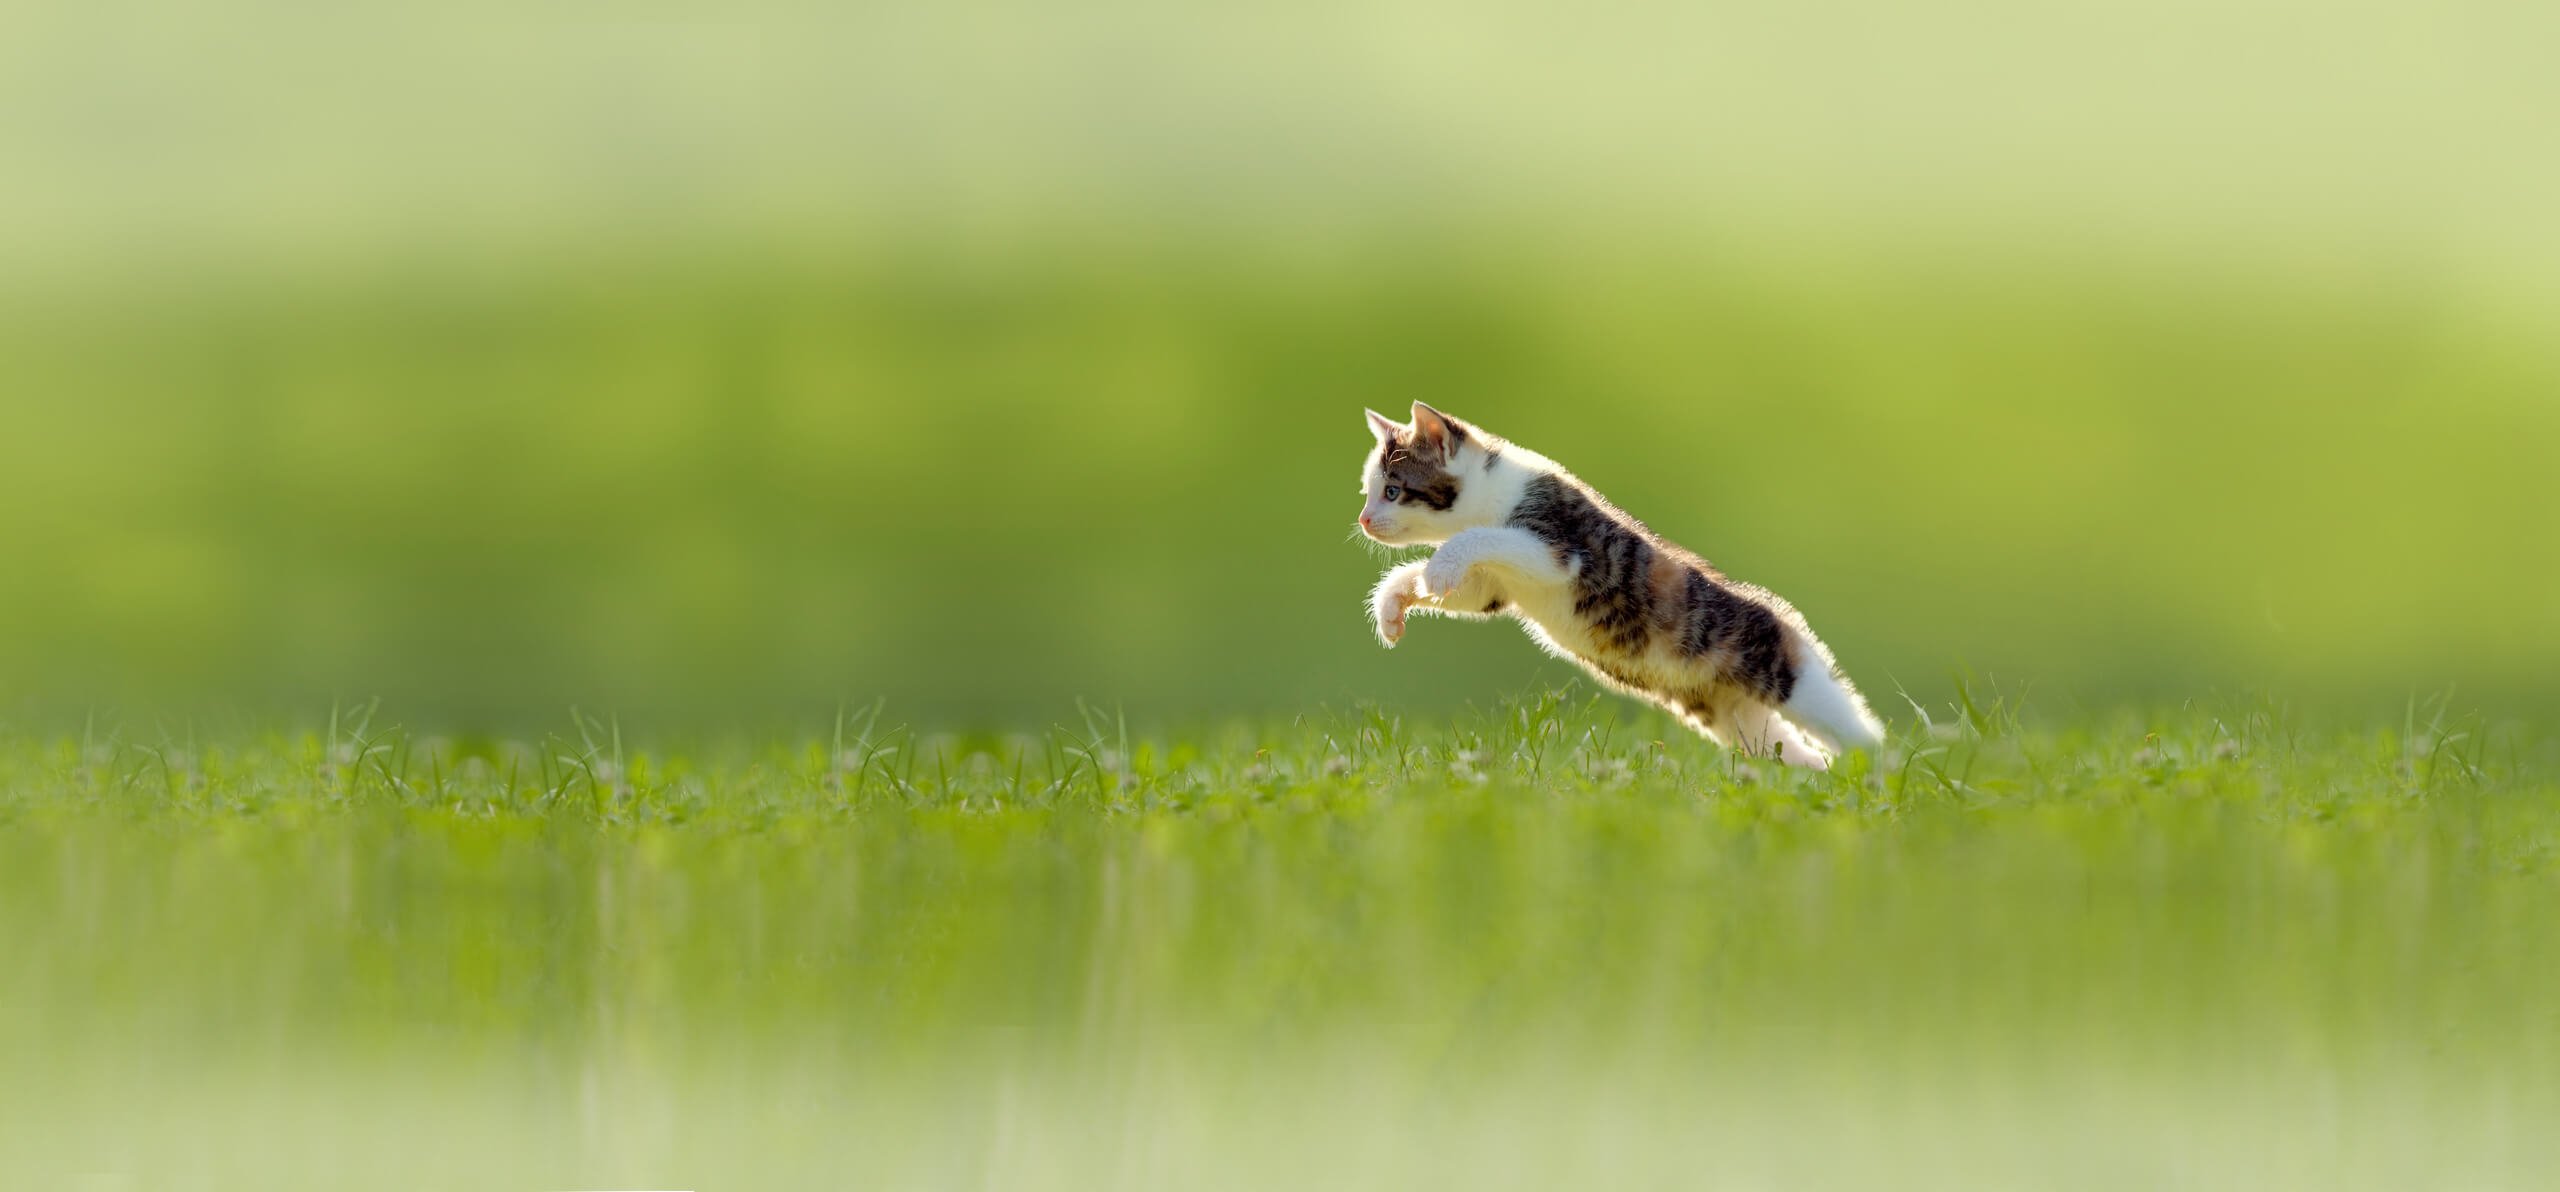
(1519, 536)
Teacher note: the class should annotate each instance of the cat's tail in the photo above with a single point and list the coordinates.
(1825, 703)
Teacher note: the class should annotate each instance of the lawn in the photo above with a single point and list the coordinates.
(1547, 943)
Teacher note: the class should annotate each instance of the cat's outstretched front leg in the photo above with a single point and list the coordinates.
(1501, 550)
(1399, 591)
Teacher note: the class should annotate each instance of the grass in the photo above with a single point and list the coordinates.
(1546, 944)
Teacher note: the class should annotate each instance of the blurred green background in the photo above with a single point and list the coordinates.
(728, 366)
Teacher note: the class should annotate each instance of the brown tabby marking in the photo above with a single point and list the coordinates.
(1419, 465)
(1633, 588)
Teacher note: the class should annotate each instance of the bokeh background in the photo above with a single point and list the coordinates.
(703, 363)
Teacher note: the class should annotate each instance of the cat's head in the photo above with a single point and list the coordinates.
(1414, 484)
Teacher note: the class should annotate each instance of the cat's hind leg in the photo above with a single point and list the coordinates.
(1705, 724)
(1754, 729)
(1761, 732)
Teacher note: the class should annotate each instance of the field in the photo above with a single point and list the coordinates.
(1547, 943)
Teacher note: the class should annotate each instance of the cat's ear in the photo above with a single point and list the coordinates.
(1383, 427)
(1439, 431)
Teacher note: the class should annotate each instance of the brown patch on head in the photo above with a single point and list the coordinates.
(1419, 471)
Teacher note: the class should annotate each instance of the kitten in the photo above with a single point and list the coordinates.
(1519, 536)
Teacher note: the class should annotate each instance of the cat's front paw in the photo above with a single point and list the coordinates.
(1388, 603)
(1390, 624)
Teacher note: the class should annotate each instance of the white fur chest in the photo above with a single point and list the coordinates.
(1548, 613)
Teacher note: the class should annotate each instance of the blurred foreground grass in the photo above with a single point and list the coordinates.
(1528, 948)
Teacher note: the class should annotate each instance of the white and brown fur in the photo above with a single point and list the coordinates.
(1519, 536)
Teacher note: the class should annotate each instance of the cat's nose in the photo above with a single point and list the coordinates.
(1364, 519)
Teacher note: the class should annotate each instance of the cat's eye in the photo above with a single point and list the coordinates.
(1393, 491)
